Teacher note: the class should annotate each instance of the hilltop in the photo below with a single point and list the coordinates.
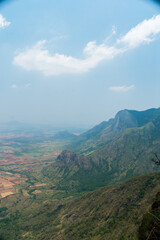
(106, 131)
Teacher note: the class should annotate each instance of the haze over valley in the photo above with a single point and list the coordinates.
(80, 120)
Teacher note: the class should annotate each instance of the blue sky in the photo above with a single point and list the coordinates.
(76, 63)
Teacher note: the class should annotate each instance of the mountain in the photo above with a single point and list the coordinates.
(64, 135)
(90, 194)
(72, 172)
(106, 131)
(109, 213)
(128, 143)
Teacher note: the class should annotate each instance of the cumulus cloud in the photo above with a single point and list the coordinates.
(121, 88)
(40, 59)
(3, 22)
(144, 32)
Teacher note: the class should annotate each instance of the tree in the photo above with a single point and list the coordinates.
(156, 160)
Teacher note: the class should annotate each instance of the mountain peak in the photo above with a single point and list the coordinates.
(106, 131)
(124, 119)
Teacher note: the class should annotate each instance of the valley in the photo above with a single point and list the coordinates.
(21, 162)
(80, 120)
(68, 189)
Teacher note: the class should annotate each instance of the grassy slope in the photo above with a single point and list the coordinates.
(112, 213)
(115, 151)
(150, 226)
(130, 154)
(105, 214)
(127, 156)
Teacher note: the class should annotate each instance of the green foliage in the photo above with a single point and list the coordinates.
(108, 213)
(150, 226)
(126, 156)
(106, 132)
(113, 152)
(3, 212)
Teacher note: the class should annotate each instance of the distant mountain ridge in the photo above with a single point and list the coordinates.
(64, 135)
(108, 130)
(111, 152)
(132, 118)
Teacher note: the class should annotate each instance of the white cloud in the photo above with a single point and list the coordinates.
(3, 22)
(144, 32)
(14, 86)
(121, 88)
(38, 58)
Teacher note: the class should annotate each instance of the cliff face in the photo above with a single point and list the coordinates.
(111, 152)
(106, 131)
(124, 119)
(68, 158)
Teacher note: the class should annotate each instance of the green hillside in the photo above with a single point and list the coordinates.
(107, 131)
(150, 226)
(65, 206)
(125, 155)
(109, 213)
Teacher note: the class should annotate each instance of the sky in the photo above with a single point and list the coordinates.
(77, 63)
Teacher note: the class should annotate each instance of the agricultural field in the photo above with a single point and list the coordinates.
(22, 158)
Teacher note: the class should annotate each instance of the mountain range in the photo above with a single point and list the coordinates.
(111, 152)
(108, 181)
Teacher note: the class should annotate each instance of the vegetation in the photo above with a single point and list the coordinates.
(150, 226)
(50, 197)
(108, 213)
(126, 155)
(106, 132)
